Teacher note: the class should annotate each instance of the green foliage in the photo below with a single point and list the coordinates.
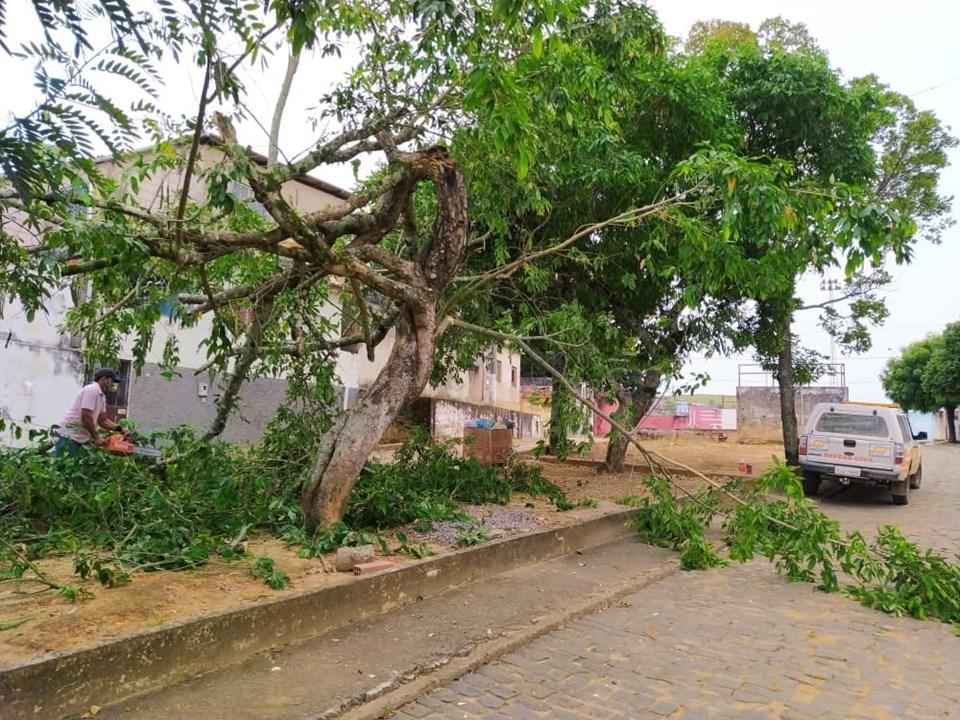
(427, 481)
(118, 515)
(941, 376)
(417, 551)
(327, 540)
(895, 576)
(774, 520)
(264, 568)
(470, 535)
(666, 523)
(529, 479)
(926, 376)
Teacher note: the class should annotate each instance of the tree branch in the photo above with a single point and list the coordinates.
(194, 150)
(273, 149)
(648, 455)
(476, 282)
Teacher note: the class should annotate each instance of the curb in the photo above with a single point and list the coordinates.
(69, 683)
(391, 696)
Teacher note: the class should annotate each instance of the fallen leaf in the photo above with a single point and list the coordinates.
(11, 624)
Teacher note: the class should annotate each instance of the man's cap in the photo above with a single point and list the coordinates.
(106, 373)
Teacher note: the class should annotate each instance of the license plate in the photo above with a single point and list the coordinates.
(846, 471)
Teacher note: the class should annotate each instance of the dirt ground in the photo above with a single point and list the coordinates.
(706, 454)
(155, 599)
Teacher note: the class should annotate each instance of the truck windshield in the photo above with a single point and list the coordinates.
(850, 424)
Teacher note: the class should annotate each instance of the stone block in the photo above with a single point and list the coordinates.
(350, 557)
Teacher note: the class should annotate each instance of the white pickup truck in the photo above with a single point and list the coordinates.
(865, 443)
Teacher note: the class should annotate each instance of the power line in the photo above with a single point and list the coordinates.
(934, 87)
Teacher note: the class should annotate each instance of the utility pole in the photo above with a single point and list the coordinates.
(830, 287)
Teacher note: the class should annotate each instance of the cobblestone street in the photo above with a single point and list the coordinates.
(740, 642)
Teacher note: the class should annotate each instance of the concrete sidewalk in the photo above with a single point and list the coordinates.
(377, 665)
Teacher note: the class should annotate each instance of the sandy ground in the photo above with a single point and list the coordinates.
(155, 599)
(703, 453)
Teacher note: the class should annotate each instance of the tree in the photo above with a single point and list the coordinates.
(941, 376)
(794, 106)
(926, 376)
(903, 377)
(217, 258)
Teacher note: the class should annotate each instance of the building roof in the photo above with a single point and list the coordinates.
(260, 159)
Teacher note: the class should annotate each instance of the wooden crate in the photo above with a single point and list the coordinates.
(491, 447)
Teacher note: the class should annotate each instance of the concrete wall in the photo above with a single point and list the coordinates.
(758, 409)
(155, 402)
(39, 372)
(450, 416)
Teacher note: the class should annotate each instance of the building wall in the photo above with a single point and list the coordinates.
(450, 417)
(158, 403)
(494, 380)
(698, 416)
(758, 409)
(41, 372)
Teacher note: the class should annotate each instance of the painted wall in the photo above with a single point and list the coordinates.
(39, 373)
(494, 380)
(157, 403)
(698, 417)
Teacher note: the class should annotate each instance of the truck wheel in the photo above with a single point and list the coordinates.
(811, 483)
(901, 492)
(916, 480)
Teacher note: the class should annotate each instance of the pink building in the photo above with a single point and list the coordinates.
(682, 416)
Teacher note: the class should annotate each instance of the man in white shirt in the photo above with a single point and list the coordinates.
(81, 425)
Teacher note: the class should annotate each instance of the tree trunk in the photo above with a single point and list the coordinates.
(559, 405)
(345, 448)
(788, 412)
(633, 408)
(951, 411)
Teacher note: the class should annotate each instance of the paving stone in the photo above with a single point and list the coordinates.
(741, 642)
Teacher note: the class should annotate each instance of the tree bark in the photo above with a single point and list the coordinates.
(559, 402)
(344, 450)
(273, 150)
(788, 412)
(951, 411)
(634, 406)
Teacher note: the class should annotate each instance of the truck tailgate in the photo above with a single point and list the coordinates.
(863, 452)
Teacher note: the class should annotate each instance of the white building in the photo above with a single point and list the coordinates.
(41, 365)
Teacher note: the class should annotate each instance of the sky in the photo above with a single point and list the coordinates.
(914, 47)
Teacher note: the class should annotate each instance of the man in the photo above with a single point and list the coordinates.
(80, 426)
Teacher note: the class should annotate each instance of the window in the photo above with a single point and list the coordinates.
(905, 428)
(513, 375)
(851, 424)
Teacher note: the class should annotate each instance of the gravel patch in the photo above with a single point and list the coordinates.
(497, 521)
